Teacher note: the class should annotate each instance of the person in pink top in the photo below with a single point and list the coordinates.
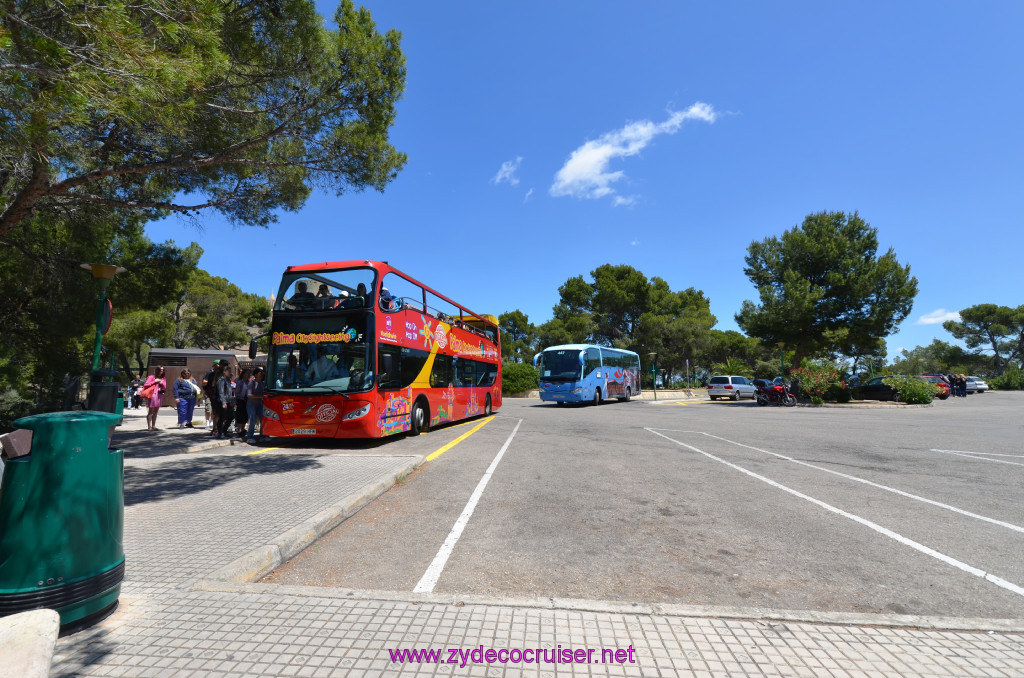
(159, 383)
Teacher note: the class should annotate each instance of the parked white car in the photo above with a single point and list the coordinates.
(976, 385)
(730, 386)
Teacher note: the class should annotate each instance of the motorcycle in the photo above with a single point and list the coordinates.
(774, 394)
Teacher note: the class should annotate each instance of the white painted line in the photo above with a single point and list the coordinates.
(433, 573)
(970, 569)
(970, 455)
(1009, 526)
(987, 454)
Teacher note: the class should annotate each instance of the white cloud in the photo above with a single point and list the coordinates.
(635, 243)
(508, 172)
(586, 175)
(937, 317)
(529, 193)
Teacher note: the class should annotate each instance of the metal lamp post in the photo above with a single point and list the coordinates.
(654, 373)
(104, 274)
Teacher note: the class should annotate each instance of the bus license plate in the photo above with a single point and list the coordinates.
(304, 431)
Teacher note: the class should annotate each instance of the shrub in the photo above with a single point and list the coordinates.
(839, 393)
(912, 390)
(518, 377)
(1011, 380)
(816, 380)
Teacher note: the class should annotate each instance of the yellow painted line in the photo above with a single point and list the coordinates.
(434, 455)
(265, 449)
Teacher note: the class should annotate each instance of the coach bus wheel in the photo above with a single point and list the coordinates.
(420, 418)
(597, 396)
(629, 394)
(487, 405)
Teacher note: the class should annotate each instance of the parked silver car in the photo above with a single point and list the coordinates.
(976, 385)
(730, 386)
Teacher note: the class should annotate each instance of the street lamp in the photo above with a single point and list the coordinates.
(782, 358)
(103, 273)
(654, 372)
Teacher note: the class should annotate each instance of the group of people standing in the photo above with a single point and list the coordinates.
(232, 400)
(957, 384)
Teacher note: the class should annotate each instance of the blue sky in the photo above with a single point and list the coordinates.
(545, 139)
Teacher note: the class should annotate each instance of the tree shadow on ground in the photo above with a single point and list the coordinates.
(148, 444)
(190, 475)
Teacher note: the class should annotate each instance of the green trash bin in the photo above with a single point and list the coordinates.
(62, 517)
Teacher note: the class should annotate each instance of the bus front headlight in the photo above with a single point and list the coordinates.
(271, 414)
(356, 414)
(578, 390)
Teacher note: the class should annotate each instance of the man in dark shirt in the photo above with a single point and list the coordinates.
(209, 384)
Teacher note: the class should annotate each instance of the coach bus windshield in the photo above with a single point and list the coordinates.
(560, 365)
(328, 353)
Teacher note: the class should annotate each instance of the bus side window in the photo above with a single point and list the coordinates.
(593, 361)
(441, 372)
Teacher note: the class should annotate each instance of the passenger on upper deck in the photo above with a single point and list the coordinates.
(302, 296)
(324, 300)
(388, 302)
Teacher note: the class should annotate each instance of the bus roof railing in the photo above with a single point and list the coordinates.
(385, 267)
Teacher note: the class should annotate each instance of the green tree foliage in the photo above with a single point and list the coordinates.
(999, 329)
(247, 104)
(518, 337)
(733, 366)
(621, 307)
(939, 357)
(730, 345)
(49, 303)
(206, 312)
(823, 288)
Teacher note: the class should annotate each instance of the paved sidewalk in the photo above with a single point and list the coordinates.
(187, 515)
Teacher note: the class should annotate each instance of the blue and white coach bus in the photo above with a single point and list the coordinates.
(574, 373)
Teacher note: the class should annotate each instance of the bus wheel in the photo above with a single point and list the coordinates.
(629, 394)
(487, 405)
(597, 396)
(420, 418)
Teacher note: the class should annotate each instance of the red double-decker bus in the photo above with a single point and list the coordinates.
(359, 349)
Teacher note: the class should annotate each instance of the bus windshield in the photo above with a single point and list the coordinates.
(560, 365)
(326, 290)
(318, 353)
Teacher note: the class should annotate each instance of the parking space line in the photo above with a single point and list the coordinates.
(441, 450)
(970, 569)
(1009, 526)
(971, 455)
(433, 573)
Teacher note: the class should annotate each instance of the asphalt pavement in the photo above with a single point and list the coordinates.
(650, 528)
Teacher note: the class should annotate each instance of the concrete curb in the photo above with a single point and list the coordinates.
(27, 640)
(874, 406)
(644, 609)
(263, 560)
